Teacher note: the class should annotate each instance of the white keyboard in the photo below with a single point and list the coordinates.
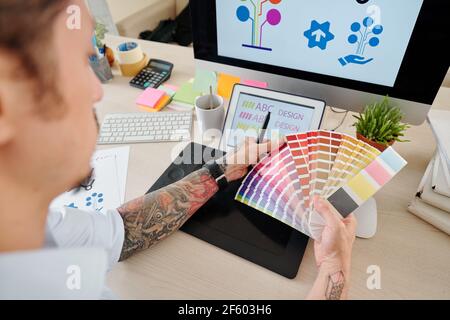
(124, 128)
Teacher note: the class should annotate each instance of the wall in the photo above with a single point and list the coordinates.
(121, 9)
(135, 16)
(447, 80)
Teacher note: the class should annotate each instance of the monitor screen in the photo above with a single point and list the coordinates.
(338, 38)
(286, 118)
(381, 47)
(278, 113)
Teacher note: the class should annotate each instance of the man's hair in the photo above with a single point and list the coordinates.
(26, 34)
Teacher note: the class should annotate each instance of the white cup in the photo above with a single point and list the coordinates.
(207, 118)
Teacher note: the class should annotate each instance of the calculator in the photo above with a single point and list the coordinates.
(153, 75)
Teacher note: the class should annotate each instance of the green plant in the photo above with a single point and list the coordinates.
(100, 31)
(381, 123)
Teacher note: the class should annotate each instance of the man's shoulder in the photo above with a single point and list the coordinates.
(74, 228)
(74, 273)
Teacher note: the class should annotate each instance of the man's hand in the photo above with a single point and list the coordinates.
(335, 246)
(236, 164)
(333, 253)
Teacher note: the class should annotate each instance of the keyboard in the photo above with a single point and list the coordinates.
(124, 128)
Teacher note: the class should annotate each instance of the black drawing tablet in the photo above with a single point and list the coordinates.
(233, 226)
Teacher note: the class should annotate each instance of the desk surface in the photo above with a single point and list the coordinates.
(414, 257)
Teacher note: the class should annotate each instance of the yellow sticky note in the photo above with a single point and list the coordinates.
(225, 85)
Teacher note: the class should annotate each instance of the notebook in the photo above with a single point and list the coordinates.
(440, 180)
(430, 196)
(434, 216)
(440, 124)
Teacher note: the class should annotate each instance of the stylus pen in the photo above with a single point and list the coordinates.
(263, 129)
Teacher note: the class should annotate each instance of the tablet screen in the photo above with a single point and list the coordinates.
(251, 112)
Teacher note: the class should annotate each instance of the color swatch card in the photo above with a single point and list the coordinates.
(272, 187)
(367, 182)
(335, 166)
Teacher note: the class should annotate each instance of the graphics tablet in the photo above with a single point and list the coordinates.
(235, 227)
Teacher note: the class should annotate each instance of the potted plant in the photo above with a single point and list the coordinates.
(380, 125)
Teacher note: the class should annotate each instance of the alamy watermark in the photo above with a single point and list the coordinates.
(73, 21)
(73, 281)
(374, 280)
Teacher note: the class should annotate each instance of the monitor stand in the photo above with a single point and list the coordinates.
(366, 215)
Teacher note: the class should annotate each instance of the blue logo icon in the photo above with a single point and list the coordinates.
(365, 34)
(319, 35)
(95, 201)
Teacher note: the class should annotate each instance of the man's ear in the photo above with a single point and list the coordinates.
(6, 127)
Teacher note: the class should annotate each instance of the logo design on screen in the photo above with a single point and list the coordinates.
(259, 18)
(362, 35)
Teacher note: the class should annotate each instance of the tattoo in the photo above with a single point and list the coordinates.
(157, 215)
(335, 286)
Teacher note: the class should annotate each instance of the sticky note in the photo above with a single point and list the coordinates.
(186, 94)
(171, 87)
(168, 90)
(150, 97)
(204, 80)
(161, 104)
(254, 83)
(225, 85)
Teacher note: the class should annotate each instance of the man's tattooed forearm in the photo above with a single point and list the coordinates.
(155, 216)
(335, 286)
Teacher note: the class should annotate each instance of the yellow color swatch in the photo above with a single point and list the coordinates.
(225, 85)
(362, 187)
(161, 104)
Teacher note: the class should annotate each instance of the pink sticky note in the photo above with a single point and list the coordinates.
(171, 87)
(150, 97)
(254, 83)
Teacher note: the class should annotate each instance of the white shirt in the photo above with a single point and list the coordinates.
(80, 248)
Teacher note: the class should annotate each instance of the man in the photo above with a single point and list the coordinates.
(47, 136)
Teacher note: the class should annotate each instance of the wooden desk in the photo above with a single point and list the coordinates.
(414, 257)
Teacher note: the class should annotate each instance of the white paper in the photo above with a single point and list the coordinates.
(121, 156)
(440, 123)
(108, 190)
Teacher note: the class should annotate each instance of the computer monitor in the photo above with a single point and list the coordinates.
(347, 52)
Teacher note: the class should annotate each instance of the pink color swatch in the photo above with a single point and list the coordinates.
(378, 173)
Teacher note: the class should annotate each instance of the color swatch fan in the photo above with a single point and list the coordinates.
(335, 166)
